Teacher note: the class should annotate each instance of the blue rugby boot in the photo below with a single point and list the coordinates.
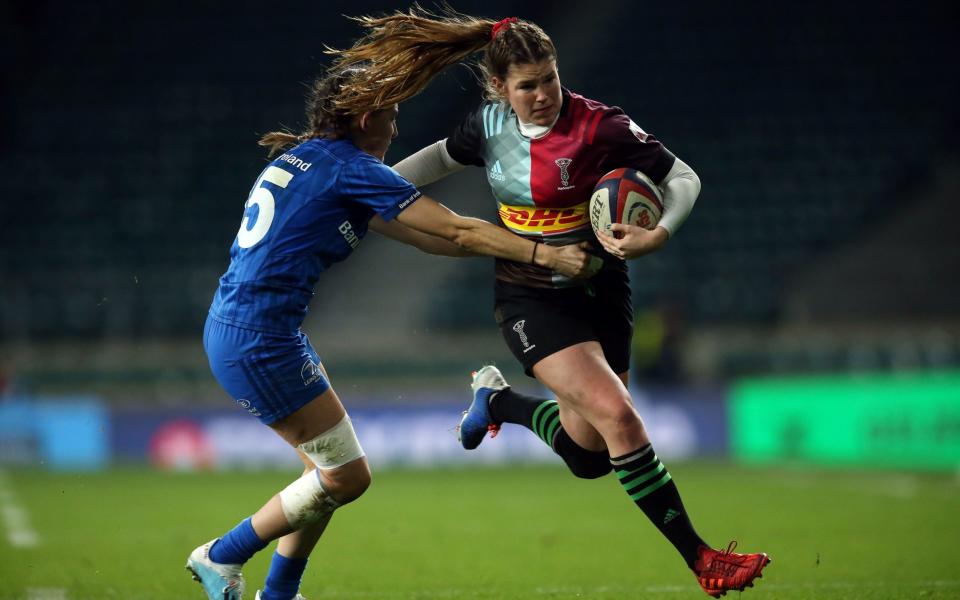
(476, 422)
(220, 582)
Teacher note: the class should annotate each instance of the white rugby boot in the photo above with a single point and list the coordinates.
(220, 582)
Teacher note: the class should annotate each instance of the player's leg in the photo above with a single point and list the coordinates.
(343, 484)
(567, 434)
(279, 380)
(611, 311)
(302, 508)
(321, 430)
(535, 322)
(582, 379)
(576, 440)
(289, 561)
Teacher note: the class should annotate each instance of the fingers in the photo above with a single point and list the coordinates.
(575, 262)
(588, 268)
(611, 245)
(617, 252)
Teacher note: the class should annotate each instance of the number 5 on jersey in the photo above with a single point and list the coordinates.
(263, 199)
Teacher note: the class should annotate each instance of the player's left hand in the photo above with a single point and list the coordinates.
(631, 241)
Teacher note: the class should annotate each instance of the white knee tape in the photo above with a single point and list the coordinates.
(305, 501)
(335, 447)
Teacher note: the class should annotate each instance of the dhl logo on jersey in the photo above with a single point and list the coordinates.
(546, 221)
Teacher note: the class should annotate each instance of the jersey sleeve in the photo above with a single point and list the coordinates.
(377, 186)
(630, 146)
(465, 144)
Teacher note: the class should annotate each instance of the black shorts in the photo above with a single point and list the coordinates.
(537, 322)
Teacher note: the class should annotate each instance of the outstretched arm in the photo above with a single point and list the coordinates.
(477, 236)
(425, 242)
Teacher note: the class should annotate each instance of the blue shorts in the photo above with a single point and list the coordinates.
(270, 375)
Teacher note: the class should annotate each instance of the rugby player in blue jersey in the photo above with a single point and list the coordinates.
(544, 148)
(307, 210)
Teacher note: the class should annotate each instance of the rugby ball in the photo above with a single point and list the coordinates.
(625, 196)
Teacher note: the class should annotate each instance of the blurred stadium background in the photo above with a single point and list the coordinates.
(807, 313)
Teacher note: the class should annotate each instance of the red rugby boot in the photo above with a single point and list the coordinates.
(719, 571)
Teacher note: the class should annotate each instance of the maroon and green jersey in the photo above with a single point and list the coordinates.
(542, 186)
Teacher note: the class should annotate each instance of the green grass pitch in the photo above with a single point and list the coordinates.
(522, 532)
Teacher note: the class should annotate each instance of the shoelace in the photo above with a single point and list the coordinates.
(723, 558)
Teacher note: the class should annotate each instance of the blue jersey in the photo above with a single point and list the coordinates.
(308, 210)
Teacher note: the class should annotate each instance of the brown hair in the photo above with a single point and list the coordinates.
(520, 42)
(399, 56)
(405, 51)
(324, 119)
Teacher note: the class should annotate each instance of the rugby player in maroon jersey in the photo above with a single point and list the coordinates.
(544, 148)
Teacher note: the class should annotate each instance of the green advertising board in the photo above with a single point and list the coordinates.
(902, 420)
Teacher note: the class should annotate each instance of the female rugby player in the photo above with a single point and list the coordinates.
(544, 148)
(308, 210)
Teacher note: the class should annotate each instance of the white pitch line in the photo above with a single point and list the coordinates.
(19, 532)
(902, 487)
(46, 594)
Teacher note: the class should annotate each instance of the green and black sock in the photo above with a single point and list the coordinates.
(649, 485)
(508, 406)
(542, 417)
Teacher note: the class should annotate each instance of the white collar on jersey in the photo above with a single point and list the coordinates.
(534, 131)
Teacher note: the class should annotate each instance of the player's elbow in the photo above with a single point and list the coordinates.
(684, 175)
(691, 181)
(685, 186)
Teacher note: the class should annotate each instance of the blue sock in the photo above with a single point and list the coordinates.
(238, 545)
(283, 580)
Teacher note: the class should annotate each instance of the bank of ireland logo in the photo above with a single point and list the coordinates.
(563, 163)
(518, 327)
(310, 372)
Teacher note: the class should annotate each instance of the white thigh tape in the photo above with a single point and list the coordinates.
(335, 447)
(305, 501)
